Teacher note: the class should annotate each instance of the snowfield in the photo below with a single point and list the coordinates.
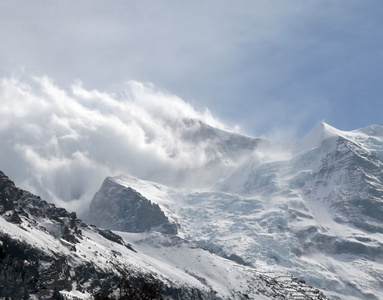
(303, 210)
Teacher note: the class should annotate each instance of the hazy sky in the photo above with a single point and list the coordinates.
(90, 89)
(275, 68)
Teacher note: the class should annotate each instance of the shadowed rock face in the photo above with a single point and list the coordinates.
(25, 269)
(119, 208)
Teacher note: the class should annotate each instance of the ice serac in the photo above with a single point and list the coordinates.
(122, 208)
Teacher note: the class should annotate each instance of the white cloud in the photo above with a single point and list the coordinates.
(62, 144)
(244, 60)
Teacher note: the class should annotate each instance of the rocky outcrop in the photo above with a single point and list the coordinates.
(28, 271)
(122, 208)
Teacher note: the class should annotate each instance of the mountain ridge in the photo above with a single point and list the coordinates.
(313, 209)
(47, 253)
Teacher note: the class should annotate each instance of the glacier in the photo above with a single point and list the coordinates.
(313, 209)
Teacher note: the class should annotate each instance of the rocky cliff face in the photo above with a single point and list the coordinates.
(43, 265)
(124, 209)
(39, 255)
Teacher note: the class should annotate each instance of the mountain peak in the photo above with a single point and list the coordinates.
(320, 133)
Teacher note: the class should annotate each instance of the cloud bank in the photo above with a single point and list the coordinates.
(263, 64)
(61, 144)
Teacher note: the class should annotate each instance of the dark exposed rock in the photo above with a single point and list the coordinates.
(114, 238)
(122, 208)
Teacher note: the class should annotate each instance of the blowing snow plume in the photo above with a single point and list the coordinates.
(61, 144)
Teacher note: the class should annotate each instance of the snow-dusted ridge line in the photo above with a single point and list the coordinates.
(370, 137)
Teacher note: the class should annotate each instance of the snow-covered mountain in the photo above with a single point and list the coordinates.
(48, 253)
(313, 210)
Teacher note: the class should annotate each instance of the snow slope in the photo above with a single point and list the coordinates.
(46, 250)
(313, 210)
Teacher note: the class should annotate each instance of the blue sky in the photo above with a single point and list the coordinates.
(275, 68)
